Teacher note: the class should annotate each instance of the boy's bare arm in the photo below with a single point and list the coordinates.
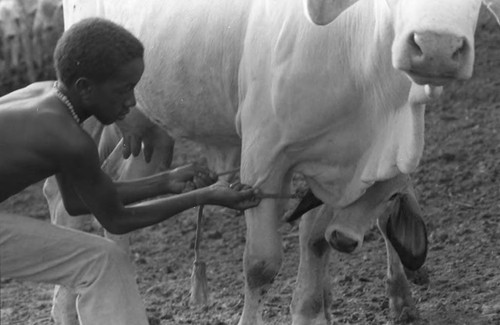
(80, 167)
(174, 181)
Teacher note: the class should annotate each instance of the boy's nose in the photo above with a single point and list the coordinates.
(130, 102)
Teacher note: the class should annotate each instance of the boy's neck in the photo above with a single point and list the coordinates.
(71, 101)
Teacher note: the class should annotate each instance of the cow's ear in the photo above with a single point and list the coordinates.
(494, 7)
(323, 12)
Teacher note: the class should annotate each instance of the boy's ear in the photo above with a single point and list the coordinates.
(84, 88)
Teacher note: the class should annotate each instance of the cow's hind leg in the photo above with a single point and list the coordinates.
(262, 258)
(310, 298)
(401, 303)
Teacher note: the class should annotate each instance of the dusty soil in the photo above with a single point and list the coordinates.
(459, 189)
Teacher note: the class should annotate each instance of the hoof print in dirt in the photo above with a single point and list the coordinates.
(407, 233)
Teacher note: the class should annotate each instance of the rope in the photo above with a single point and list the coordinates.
(198, 233)
(276, 196)
(228, 172)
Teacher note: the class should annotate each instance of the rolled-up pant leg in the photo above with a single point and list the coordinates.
(96, 268)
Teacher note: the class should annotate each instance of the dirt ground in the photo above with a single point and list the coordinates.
(459, 189)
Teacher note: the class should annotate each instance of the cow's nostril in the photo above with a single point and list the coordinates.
(413, 42)
(461, 48)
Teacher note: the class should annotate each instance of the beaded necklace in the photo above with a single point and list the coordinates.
(66, 102)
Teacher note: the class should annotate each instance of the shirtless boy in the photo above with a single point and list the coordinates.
(98, 64)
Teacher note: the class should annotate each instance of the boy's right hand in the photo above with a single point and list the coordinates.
(235, 196)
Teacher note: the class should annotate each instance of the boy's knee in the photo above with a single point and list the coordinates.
(112, 254)
(109, 261)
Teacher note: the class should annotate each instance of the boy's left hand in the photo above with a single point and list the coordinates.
(139, 133)
(189, 177)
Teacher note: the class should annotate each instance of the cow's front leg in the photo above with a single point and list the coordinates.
(310, 298)
(401, 303)
(262, 259)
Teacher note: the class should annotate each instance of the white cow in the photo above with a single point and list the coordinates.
(16, 17)
(48, 26)
(256, 81)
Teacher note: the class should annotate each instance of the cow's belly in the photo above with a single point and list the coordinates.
(192, 55)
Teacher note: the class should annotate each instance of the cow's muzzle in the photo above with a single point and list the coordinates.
(434, 58)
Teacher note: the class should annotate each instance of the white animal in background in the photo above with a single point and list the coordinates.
(16, 17)
(48, 26)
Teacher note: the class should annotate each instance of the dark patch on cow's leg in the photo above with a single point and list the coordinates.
(259, 275)
(307, 203)
(342, 243)
(319, 247)
(407, 233)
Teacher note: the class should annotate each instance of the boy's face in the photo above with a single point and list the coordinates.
(114, 97)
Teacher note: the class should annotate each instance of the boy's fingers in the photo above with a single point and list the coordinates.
(148, 153)
(148, 149)
(136, 146)
(236, 186)
(189, 186)
(203, 180)
(200, 183)
(126, 151)
(213, 175)
(209, 175)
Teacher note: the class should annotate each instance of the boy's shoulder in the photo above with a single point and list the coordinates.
(27, 96)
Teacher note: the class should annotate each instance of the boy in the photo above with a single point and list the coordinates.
(98, 64)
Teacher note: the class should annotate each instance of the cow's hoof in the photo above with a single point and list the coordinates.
(342, 243)
(409, 316)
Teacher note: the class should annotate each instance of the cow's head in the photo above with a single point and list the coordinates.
(390, 203)
(434, 39)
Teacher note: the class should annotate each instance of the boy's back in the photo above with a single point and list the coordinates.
(35, 127)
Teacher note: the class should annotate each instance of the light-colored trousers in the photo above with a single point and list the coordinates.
(96, 268)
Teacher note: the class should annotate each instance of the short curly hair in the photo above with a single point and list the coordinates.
(94, 48)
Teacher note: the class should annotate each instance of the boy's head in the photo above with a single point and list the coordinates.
(94, 48)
